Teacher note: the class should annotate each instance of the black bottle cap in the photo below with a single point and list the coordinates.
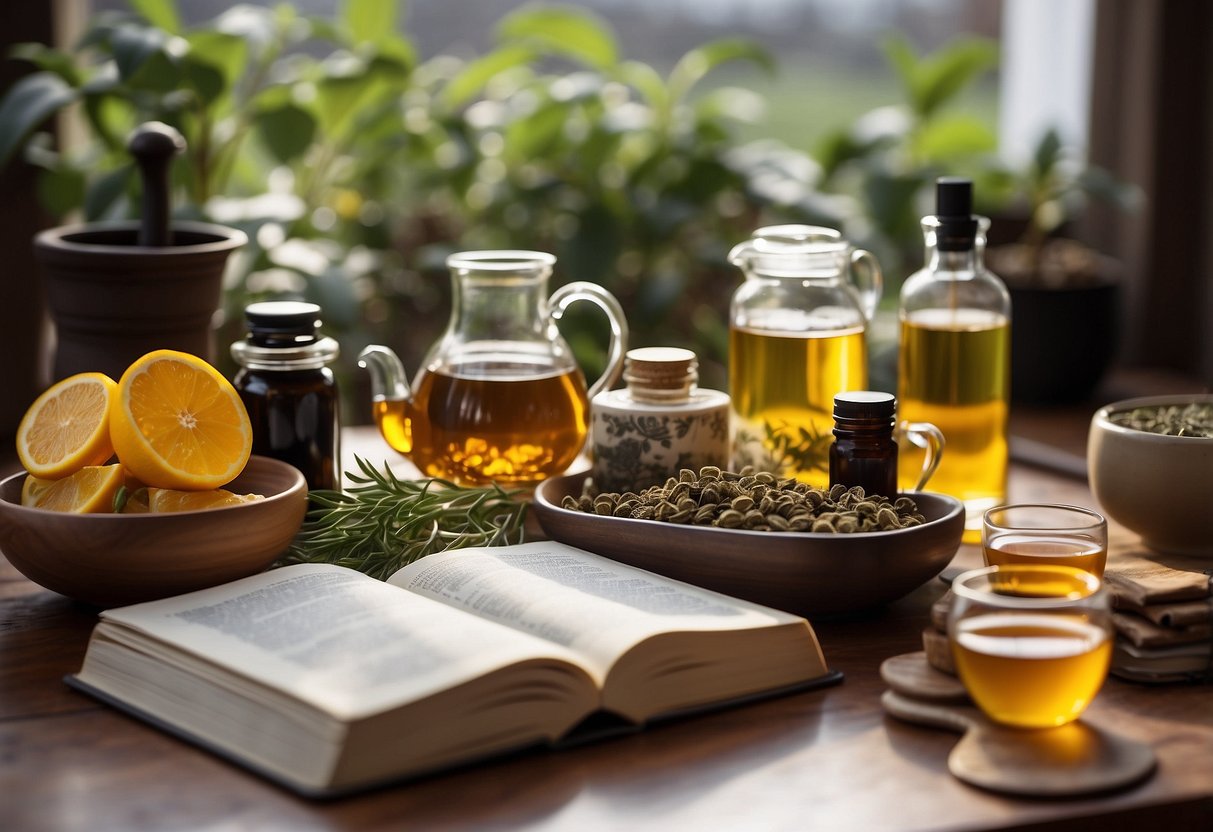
(865, 404)
(282, 322)
(957, 227)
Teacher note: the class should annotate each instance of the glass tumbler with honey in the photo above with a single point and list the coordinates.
(1034, 533)
(1032, 643)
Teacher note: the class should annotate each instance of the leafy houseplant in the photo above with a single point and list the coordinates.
(1064, 295)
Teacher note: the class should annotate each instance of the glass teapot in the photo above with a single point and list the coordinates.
(796, 339)
(499, 397)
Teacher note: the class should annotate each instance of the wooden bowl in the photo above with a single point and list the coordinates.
(111, 559)
(814, 575)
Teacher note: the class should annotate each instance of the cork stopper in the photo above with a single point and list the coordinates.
(660, 374)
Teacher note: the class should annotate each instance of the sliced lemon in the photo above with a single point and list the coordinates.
(90, 490)
(179, 424)
(167, 499)
(67, 427)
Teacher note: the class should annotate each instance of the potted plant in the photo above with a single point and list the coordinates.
(1065, 296)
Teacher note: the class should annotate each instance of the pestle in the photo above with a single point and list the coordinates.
(153, 146)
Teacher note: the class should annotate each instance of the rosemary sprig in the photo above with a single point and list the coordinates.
(382, 523)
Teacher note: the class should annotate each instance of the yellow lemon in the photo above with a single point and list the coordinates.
(179, 424)
(67, 427)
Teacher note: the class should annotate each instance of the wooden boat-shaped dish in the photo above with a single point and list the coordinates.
(813, 575)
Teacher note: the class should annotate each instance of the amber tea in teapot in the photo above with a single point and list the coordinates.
(499, 397)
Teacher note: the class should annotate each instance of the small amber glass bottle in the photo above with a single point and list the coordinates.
(289, 390)
(864, 452)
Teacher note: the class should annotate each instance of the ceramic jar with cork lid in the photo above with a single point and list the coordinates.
(659, 424)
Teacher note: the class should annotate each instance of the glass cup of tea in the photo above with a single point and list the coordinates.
(1039, 533)
(1031, 642)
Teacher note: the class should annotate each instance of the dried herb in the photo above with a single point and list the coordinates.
(382, 523)
(1195, 419)
(754, 502)
(786, 448)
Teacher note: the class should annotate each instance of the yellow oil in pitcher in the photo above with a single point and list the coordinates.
(783, 387)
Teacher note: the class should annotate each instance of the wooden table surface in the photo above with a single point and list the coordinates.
(825, 759)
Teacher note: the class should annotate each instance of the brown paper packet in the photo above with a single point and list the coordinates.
(1146, 582)
(1142, 632)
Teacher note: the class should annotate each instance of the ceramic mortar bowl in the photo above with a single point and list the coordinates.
(111, 559)
(1158, 486)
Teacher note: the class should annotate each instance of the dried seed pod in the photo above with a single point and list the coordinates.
(585, 503)
(778, 522)
(643, 513)
(603, 509)
(569, 502)
(836, 491)
(679, 492)
(755, 516)
(709, 496)
(730, 519)
(687, 475)
(821, 526)
(847, 525)
(765, 477)
(904, 505)
(705, 514)
(623, 510)
(866, 507)
(687, 504)
(912, 520)
(800, 524)
(886, 518)
(709, 472)
(683, 516)
(747, 482)
(766, 504)
(742, 504)
(814, 498)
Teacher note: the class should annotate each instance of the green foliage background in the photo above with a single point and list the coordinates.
(355, 167)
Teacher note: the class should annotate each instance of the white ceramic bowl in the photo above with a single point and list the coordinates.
(1158, 486)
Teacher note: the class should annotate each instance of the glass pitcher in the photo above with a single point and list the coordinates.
(499, 397)
(796, 338)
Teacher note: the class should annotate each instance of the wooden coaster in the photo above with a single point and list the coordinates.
(1075, 759)
(911, 676)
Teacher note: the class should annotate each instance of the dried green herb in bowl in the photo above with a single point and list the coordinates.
(1192, 419)
(753, 502)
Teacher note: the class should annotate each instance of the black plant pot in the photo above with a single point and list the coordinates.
(1062, 340)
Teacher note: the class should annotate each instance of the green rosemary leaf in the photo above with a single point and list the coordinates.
(382, 523)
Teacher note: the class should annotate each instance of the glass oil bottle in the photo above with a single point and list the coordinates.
(954, 360)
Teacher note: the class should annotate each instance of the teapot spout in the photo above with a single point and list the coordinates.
(390, 396)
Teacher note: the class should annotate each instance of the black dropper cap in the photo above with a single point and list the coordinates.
(957, 227)
(281, 323)
(864, 406)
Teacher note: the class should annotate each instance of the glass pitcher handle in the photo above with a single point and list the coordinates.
(927, 436)
(869, 294)
(569, 294)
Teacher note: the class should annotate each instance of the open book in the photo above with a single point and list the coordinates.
(327, 680)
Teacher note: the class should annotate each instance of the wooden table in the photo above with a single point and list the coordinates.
(826, 760)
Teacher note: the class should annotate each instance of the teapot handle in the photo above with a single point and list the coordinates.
(569, 294)
(869, 294)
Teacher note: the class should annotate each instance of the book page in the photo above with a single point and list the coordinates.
(334, 638)
(576, 599)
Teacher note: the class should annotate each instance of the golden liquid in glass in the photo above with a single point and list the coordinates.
(782, 387)
(954, 373)
(1031, 671)
(1054, 550)
(489, 421)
